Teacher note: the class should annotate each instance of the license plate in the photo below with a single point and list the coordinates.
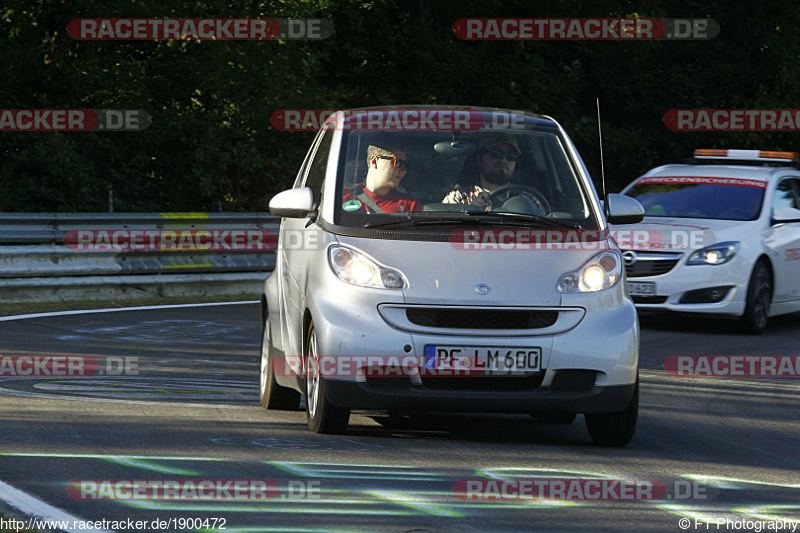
(488, 359)
(642, 288)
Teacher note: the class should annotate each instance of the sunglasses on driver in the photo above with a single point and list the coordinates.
(499, 154)
(402, 164)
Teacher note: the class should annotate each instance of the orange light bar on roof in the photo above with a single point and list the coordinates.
(710, 152)
(778, 155)
(745, 154)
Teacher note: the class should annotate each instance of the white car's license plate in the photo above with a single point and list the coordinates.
(642, 288)
(490, 359)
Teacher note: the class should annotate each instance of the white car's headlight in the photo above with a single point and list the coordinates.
(359, 269)
(716, 254)
(600, 272)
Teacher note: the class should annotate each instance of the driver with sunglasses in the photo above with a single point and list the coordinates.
(386, 169)
(497, 157)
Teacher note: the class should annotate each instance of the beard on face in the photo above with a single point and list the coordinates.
(498, 176)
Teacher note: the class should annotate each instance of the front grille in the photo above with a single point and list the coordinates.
(485, 383)
(481, 318)
(649, 299)
(650, 264)
(573, 380)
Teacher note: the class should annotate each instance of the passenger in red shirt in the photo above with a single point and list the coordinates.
(386, 169)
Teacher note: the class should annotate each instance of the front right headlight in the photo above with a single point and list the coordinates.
(716, 254)
(359, 269)
(600, 272)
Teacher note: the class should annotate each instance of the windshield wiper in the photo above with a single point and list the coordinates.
(487, 218)
(526, 217)
(438, 220)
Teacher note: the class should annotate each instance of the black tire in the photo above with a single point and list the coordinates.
(272, 395)
(322, 416)
(554, 417)
(759, 297)
(617, 428)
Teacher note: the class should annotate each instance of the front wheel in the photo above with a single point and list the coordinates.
(323, 417)
(759, 297)
(272, 395)
(616, 428)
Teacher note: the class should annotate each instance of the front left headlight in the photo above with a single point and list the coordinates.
(600, 272)
(716, 254)
(358, 268)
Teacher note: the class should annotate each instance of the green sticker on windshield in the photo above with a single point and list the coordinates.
(352, 205)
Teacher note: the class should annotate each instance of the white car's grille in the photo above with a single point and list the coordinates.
(643, 264)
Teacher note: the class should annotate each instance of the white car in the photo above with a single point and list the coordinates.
(721, 235)
(390, 291)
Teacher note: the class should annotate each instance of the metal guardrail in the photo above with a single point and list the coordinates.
(50, 228)
(37, 266)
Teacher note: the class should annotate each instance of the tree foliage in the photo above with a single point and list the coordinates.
(211, 145)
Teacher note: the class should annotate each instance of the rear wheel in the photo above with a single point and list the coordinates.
(272, 395)
(615, 428)
(323, 417)
(759, 297)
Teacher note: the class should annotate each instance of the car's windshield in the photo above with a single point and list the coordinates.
(699, 197)
(425, 177)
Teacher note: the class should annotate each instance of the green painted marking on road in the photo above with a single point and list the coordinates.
(688, 512)
(406, 500)
(731, 482)
(354, 471)
(98, 456)
(269, 506)
(758, 512)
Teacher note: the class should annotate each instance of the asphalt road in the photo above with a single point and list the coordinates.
(186, 408)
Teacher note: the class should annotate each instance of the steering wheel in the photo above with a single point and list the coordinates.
(734, 213)
(501, 191)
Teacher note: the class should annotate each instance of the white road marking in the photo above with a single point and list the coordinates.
(37, 508)
(119, 309)
(64, 397)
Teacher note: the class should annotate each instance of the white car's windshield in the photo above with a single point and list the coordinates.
(699, 197)
(451, 176)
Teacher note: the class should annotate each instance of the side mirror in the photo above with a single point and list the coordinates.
(624, 209)
(786, 215)
(293, 203)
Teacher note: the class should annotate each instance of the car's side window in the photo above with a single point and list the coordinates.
(301, 175)
(319, 164)
(786, 195)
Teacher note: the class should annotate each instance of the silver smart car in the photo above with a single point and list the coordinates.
(449, 259)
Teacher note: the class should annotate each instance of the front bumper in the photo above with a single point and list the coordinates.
(369, 396)
(682, 279)
(604, 342)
